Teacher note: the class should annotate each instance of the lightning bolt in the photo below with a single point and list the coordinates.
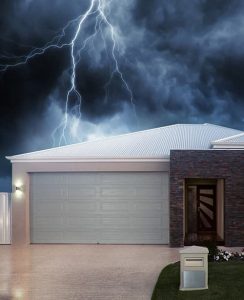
(99, 10)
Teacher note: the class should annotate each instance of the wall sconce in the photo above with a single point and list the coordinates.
(19, 189)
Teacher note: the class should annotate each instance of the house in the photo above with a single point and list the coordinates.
(169, 185)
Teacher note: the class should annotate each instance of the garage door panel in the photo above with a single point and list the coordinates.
(121, 179)
(46, 236)
(82, 178)
(146, 206)
(126, 214)
(75, 208)
(147, 223)
(83, 227)
(134, 222)
(81, 236)
(141, 191)
(149, 191)
(131, 207)
(108, 191)
(80, 222)
(47, 209)
(49, 179)
(165, 180)
(114, 221)
(165, 221)
(45, 193)
(78, 192)
(69, 236)
(99, 208)
(115, 206)
(49, 222)
(165, 205)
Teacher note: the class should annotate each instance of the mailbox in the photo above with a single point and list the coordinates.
(194, 268)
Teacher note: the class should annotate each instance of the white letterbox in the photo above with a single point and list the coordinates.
(194, 268)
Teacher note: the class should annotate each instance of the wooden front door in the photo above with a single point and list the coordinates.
(206, 207)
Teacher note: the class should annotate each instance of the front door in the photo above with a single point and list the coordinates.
(206, 207)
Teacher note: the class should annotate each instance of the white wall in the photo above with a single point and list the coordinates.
(5, 218)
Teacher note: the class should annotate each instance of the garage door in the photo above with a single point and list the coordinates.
(116, 208)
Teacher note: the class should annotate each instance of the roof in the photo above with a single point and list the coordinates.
(232, 141)
(147, 144)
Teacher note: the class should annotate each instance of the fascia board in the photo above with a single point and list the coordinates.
(88, 160)
(228, 146)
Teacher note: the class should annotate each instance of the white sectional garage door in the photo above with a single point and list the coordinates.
(116, 208)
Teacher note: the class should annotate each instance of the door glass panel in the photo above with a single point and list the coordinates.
(206, 200)
(206, 208)
(203, 221)
(206, 191)
(207, 211)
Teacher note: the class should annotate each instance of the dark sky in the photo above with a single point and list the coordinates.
(183, 61)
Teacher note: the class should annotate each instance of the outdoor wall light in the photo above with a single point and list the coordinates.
(19, 293)
(19, 191)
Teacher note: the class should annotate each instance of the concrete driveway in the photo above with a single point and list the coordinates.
(87, 272)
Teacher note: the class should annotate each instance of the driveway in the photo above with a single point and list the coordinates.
(90, 272)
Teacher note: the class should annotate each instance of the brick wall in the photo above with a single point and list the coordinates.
(225, 164)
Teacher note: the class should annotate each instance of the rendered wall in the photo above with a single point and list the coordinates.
(5, 218)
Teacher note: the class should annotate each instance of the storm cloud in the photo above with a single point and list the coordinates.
(183, 61)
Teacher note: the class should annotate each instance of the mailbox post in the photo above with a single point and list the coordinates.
(194, 268)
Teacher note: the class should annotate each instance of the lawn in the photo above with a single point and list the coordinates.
(225, 281)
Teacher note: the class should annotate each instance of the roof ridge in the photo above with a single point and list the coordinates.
(216, 125)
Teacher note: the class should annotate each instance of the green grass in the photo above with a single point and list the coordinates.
(225, 281)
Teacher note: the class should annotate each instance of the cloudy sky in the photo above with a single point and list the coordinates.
(139, 64)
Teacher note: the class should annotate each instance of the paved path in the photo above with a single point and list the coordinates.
(77, 272)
